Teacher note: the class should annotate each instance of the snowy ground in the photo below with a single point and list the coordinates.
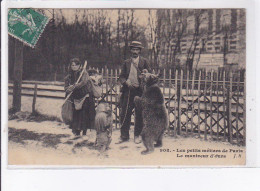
(52, 143)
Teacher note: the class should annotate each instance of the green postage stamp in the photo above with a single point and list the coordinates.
(26, 25)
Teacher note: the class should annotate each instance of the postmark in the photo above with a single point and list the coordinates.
(26, 25)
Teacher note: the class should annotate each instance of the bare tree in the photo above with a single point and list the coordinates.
(155, 34)
(195, 40)
(125, 30)
(131, 25)
(179, 25)
(118, 31)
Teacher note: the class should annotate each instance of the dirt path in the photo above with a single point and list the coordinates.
(52, 143)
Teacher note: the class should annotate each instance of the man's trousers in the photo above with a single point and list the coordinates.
(127, 107)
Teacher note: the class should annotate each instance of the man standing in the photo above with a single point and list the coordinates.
(129, 78)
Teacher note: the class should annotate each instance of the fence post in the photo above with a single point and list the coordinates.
(192, 97)
(176, 103)
(218, 105)
(199, 94)
(169, 101)
(211, 114)
(187, 102)
(237, 110)
(229, 109)
(107, 82)
(179, 103)
(116, 99)
(164, 81)
(34, 99)
(102, 72)
(111, 92)
(244, 110)
(224, 104)
(206, 109)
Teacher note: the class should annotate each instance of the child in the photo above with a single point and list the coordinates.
(103, 125)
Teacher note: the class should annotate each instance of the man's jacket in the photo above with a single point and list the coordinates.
(125, 69)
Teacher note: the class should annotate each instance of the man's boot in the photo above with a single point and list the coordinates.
(137, 139)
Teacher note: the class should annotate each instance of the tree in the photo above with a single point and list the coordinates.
(198, 33)
(155, 34)
(88, 34)
(178, 24)
(18, 73)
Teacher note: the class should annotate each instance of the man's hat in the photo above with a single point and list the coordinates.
(136, 44)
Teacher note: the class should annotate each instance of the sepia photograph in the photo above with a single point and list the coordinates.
(127, 87)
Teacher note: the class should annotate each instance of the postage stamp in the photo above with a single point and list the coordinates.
(26, 25)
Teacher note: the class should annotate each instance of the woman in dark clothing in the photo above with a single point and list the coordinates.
(82, 98)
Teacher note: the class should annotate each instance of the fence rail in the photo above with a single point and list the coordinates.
(209, 104)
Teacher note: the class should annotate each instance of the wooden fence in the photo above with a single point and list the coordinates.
(207, 104)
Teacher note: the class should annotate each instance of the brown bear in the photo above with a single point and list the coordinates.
(155, 116)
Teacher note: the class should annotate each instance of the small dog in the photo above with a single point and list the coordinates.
(103, 126)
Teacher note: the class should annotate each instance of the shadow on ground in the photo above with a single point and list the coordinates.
(23, 135)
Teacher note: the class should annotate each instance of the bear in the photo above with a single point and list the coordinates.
(154, 113)
(103, 126)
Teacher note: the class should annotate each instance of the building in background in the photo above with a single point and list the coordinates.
(198, 38)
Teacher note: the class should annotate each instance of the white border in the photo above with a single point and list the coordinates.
(250, 68)
(253, 152)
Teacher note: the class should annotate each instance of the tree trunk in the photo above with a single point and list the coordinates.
(225, 50)
(18, 73)
(118, 34)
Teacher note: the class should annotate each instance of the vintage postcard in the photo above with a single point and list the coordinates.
(128, 87)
